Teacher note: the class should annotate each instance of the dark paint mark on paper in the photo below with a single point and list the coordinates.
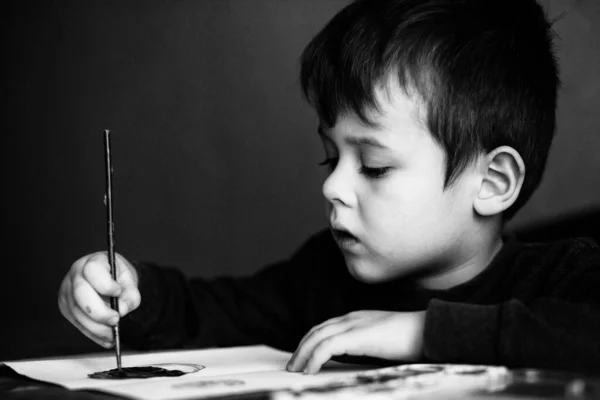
(147, 371)
(136, 373)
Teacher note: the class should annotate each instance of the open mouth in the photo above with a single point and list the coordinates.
(342, 234)
(344, 239)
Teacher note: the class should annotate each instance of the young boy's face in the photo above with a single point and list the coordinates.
(386, 189)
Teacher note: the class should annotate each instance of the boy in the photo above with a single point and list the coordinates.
(436, 117)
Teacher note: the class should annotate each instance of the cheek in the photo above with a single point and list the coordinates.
(405, 212)
(405, 197)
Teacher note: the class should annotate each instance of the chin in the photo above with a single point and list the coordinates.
(366, 272)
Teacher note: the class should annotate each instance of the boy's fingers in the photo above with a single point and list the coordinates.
(319, 327)
(63, 305)
(101, 334)
(81, 329)
(101, 331)
(91, 304)
(125, 275)
(305, 350)
(123, 308)
(129, 300)
(96, 271)
(332, 346)
(78, 265)
(80, 300)
(125, 270)
(63, 292)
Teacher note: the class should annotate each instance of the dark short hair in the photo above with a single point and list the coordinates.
(485, 69)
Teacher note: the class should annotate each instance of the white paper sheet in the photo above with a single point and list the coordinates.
(229, 370)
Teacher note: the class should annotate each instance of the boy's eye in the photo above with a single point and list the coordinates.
(374, 172)
(370, 172)
(330, 163)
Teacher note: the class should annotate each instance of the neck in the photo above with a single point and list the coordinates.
(471, 259)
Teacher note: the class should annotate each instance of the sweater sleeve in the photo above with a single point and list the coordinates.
(547, 333)
(559, 328)
(268, 307)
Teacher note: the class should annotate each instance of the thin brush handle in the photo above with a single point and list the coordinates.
(114, 301)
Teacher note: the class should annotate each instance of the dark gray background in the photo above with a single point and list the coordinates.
(215, 155)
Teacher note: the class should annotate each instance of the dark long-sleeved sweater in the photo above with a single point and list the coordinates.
(536, 305)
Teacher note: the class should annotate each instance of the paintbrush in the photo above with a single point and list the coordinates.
(108, 201)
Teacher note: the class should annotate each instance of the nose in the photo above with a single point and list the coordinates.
(337, 188)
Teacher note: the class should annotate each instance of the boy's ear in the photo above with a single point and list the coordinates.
(502, 172)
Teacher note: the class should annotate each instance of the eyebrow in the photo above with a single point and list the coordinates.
(355, 141)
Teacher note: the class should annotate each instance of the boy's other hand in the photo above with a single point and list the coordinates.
(381, 334)
(84, 296)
